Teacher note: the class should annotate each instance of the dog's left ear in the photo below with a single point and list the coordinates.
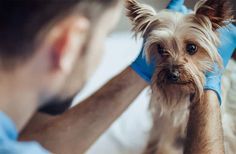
(140, 15)
(218, 11)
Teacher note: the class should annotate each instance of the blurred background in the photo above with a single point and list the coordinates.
(128, 134)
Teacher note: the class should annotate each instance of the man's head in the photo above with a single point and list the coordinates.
(47, 46)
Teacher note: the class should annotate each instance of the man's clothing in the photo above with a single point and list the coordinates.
(9, 143)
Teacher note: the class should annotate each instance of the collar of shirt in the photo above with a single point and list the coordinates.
(7, 127)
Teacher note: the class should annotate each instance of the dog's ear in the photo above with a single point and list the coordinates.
(218, 11)
(140, 15)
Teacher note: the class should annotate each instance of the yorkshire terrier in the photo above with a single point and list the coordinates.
(184, 47)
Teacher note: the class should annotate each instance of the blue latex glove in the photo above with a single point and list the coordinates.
(142, 67)
(178, 5)
(226, 49)
(213, 79)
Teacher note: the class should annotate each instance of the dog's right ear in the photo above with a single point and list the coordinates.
(219, 12)
(140, 15)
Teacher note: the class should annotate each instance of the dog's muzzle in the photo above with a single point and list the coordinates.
(173, 75)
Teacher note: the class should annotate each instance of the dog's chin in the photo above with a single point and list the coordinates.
(173, 96)
(184, 87)
(188, 85)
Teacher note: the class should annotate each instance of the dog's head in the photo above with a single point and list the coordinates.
(184, 46)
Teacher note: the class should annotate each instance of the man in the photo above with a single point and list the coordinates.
(45, 49)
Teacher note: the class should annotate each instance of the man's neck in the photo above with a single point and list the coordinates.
(17, 100)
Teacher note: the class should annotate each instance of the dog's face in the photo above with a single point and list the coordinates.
(184, 46)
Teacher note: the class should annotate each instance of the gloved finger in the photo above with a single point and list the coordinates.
(215, 72)
(175, 5)
(228, 42)
(185, 10)
(213, 81)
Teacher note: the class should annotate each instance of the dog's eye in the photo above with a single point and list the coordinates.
(191, 48)
(160, 49)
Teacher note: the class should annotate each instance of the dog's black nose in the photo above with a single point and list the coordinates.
(173, 75)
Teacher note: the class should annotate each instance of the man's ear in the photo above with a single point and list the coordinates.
(218, 11)
(65, 41)
(141, 16)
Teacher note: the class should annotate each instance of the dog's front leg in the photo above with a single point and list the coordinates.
(167, 135)
(204, 130)
(165, 138)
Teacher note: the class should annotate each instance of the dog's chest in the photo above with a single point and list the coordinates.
(169, 127)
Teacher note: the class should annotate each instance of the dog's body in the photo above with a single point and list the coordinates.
(184, 47)
(176, 134)
(168, 131)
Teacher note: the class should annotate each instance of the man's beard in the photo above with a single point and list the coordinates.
(56, 106)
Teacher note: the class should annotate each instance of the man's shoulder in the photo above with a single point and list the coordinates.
(16, 147)
(9, 143)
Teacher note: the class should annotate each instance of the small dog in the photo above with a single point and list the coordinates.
(184, 47)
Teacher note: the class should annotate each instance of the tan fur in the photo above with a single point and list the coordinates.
(219, 12)
(170, 101)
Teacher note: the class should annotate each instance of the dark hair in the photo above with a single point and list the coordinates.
(22, 20)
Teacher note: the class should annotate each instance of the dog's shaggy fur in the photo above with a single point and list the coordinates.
(184, 47)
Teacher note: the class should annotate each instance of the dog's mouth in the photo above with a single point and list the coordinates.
(184, 83)
(178, 82)
(163, 78)
(178, 85)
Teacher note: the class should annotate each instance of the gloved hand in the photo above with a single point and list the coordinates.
(213, 79)
(178, 5)
(226, 49)
(143, 68)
